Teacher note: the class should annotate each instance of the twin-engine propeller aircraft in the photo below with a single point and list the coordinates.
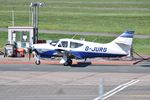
(79, 49)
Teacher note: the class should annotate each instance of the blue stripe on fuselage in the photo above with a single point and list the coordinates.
(46, 54)
(93, 54)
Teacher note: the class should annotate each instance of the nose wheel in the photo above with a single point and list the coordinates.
(37, 57)
(37, 62)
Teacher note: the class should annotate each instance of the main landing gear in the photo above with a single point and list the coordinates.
(68, 62)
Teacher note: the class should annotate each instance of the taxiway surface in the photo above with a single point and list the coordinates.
(57, 82)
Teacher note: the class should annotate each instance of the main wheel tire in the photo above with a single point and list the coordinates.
(37, 62)
(66, 63)
(69, 62)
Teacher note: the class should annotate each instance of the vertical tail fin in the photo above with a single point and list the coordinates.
(125, 38)
(124, 41)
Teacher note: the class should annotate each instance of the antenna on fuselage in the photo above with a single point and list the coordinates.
(95, 39)
(74, 35)
(83, 39)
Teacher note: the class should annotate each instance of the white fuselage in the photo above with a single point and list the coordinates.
(80, 49)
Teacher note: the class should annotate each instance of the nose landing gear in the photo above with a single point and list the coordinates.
(37, 62)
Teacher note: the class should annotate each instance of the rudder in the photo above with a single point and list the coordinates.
(124, 41)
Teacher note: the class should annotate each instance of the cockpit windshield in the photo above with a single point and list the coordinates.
(53, 43)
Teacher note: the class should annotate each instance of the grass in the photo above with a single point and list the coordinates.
(142, 46)
(3, 39)
(111, 16)
(99, 39)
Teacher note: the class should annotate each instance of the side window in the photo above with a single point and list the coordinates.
(64, 44)
(75, 45)
(59, 45)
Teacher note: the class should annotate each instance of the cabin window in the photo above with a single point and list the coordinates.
(75, 45)
(64, 44)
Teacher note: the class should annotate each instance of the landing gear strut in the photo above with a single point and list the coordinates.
(37, 57)
(68, 62)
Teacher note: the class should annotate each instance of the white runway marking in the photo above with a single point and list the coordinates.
(117, 89)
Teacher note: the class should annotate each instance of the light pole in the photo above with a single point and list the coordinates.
(35, 14)
(13, 16)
